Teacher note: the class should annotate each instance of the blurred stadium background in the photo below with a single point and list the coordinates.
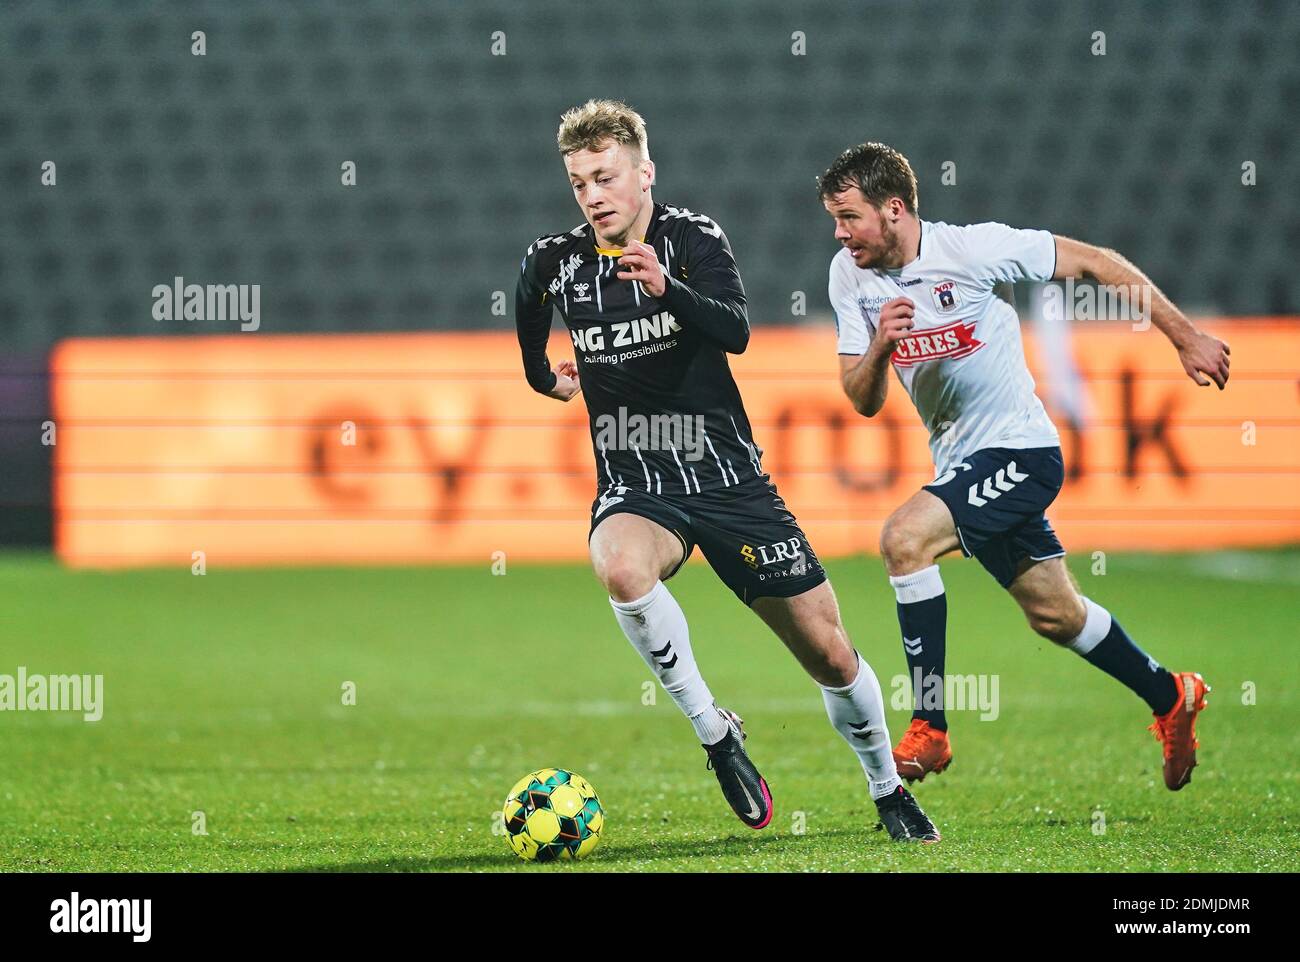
(225, 168)
(388, 305)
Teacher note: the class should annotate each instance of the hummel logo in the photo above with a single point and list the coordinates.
(999, 481)
(860, 729)
(912, 645)
(581, 291)
(713, 230)
(543, 241)
(663, 653)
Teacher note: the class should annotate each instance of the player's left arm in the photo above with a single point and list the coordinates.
(712, 301)
(1202, 355)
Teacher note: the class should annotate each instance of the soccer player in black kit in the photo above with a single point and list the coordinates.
(653, 301)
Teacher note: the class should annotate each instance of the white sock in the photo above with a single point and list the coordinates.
(1096, 627)
(656, 626)
(858, 710)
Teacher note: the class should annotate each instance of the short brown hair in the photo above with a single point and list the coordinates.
(877, 170)
(597, 122)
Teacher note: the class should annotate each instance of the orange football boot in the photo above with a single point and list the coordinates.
(1176, 730)
(922, 750)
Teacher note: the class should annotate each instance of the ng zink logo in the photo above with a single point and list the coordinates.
(567, 269)
(639, 330)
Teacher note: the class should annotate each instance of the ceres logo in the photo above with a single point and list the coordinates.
(938, 343)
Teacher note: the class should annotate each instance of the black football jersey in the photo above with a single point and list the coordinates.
(664, 409)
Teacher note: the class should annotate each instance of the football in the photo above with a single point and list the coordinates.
(553, 814)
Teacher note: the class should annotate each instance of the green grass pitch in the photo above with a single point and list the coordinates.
(223, 695)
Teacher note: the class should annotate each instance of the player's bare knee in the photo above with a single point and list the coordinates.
(1057, 623)
(1074, 618)
(1040, 620)
(841, 667)
(839, 657)
(901, 548)
(625, 578)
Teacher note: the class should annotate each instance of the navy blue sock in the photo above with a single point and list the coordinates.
(1104, 643)
(923, 618)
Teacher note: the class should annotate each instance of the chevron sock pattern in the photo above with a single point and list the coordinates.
(857, 712)
(656, 626)
(923, 616)
(994, 486)
(1105, 644)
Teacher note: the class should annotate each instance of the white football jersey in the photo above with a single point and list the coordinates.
(963, 362)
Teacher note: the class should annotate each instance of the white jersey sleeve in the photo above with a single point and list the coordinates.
(1003, 254)
(851, 326)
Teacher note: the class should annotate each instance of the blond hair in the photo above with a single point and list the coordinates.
(597, 122)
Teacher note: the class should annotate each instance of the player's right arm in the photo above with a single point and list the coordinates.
(865, 352)
(533, 326)
(1008, 255)
(1204, 357)
(866, 376)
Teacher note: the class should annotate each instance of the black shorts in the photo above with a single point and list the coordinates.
(997, 497)
(746, 533)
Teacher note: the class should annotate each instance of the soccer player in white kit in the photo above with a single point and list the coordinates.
(918, 296)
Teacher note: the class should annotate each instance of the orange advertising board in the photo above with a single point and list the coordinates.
(431, 447)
